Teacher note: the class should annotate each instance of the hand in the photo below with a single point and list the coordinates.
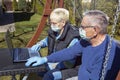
(36, 47)
(35, 61)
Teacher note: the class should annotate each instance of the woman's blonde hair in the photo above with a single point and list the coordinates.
(63, 14)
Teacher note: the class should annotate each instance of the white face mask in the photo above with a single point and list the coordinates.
(82, 34)
(55, 28)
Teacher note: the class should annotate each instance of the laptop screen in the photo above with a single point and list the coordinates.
(19, 54)
(9, 42)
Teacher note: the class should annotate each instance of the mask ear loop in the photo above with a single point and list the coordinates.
(95, 34)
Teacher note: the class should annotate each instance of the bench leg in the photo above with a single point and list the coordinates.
(13, 77)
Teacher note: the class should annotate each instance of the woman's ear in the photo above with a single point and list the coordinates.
(63, 23)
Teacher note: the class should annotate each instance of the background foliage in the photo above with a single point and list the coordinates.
(15, 5)
(22, 5)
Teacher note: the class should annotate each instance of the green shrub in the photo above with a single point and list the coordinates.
(22, 5)
(15, 5)
(39, 7)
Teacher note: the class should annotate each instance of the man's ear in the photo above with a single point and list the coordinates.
(97, 29)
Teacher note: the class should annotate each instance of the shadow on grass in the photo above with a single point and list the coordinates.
(11, 17)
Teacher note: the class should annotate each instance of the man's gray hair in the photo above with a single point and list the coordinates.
(99, 18)
(63, 14)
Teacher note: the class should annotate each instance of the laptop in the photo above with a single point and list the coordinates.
(19, 54)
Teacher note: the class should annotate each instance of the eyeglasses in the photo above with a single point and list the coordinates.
(83, 27)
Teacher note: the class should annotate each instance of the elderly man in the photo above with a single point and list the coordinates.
(92, 47)
(61, 35)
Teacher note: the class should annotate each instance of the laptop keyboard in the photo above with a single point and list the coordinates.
(21, 55)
